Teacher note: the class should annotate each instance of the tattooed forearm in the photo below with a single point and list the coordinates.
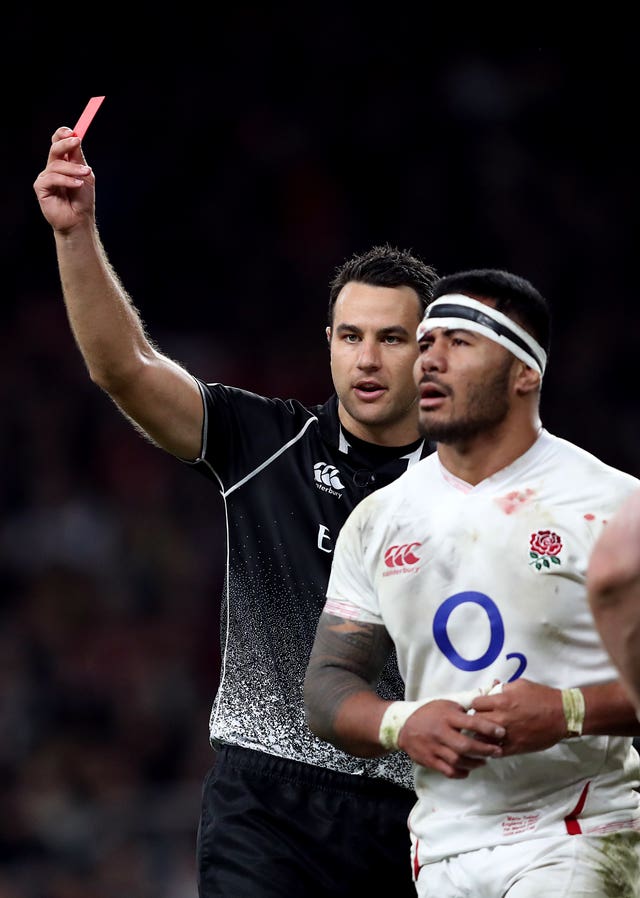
(347, 659)
(354, 646)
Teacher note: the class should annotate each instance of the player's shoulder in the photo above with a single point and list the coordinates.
(585, 459)
(577, 467)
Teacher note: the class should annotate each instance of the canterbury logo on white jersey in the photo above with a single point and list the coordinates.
(401, 556)
(327, 475)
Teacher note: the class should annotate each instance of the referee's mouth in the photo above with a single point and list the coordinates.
(369, 390)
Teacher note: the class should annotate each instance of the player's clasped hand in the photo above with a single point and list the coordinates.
(65, 188)
(531, 712)
(442, 736)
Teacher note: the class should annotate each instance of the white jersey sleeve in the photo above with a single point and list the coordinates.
(351, 591)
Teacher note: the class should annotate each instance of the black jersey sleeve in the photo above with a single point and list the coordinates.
(243, 430)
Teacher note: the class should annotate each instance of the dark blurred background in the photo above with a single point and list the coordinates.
(240, 157)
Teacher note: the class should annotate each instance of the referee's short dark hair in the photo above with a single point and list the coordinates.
(385, 266)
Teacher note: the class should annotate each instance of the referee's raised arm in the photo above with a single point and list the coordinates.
(152, 390)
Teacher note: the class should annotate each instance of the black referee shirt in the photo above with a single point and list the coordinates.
(288, 479)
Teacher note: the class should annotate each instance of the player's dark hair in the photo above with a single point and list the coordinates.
(513, 295)
(385, 266)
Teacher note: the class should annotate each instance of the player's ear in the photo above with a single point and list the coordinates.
(527, 379)
(328, 333)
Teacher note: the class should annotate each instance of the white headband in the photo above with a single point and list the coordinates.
(456, 311)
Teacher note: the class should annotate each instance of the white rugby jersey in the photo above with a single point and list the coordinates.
(484, 582)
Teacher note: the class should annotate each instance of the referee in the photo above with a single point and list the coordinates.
(283, 813)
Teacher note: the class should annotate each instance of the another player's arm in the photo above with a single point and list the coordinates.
(152, 390)
(609, 711)
(613, 584)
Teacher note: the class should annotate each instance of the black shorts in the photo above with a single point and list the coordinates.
(273, 828)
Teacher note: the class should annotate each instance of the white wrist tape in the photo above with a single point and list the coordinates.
(573, 707)
(397, 714)
(393, 719)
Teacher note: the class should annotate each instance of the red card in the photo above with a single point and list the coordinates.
(87, 116)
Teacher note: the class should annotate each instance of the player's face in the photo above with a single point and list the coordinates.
(464, 385)
(373, 349)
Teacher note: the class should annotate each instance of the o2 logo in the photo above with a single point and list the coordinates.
(496, 627)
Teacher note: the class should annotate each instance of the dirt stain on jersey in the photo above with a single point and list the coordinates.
(514, 500)
(620, 868)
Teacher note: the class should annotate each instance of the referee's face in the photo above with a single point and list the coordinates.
(373, 349)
